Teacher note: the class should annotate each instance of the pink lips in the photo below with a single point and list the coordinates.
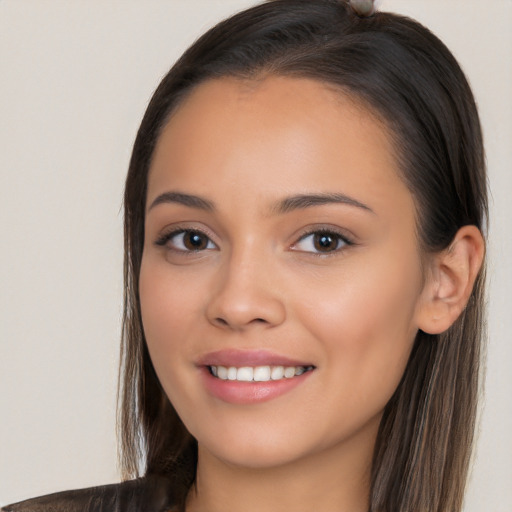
(235, 357)
(245, 393)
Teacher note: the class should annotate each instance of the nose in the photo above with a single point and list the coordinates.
(245, 296)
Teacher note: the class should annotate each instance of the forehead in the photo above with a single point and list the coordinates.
(275, 136)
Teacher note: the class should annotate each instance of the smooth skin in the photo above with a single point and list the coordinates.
(336, 280)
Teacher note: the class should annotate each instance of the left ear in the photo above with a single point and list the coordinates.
(450, 279)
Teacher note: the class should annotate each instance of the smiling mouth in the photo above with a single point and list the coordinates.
(257, 373)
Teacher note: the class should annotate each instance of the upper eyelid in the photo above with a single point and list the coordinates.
(348, 242)
(312, 230)
(173, 231)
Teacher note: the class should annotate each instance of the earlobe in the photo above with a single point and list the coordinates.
(451, 278)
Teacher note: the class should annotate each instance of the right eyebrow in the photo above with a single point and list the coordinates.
(189, 200)
(302, 201)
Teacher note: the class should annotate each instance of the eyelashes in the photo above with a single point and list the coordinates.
(322, 241)
(186, 240)
(317, 241)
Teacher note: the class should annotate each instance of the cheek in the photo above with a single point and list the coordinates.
(167, 306)
(365, 321)
(169, 299)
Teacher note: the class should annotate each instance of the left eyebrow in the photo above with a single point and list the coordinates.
(303, 201)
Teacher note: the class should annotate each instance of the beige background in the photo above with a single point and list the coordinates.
(75, 77)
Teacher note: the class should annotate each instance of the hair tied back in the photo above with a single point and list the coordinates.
(363, 7)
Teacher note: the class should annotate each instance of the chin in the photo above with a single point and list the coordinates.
(255, 456)
(263, 446)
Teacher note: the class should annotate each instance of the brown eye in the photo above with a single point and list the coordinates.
(186, 240)
(195, 241)
(322, 242)
(325, 242)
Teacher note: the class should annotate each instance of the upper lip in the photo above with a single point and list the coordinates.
(237, 357)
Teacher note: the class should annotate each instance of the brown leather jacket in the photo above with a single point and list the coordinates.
(148, 494)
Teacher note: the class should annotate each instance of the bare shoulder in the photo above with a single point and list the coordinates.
(148, 494)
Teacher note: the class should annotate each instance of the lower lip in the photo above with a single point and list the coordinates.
(243, 393)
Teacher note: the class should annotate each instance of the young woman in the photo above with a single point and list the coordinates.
(304, 272)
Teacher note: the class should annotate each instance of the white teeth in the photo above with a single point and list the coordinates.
(222, 372)
(262, 374)
(277, 373)
(258, 373)
(244, 374)
(289, 372)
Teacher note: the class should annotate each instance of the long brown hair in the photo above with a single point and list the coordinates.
(408, 77)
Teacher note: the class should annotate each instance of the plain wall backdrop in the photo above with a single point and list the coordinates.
(75, 78)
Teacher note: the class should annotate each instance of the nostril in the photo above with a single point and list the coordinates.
(224, 323)
(237, 310)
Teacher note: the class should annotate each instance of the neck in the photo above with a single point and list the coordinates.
(336, 480)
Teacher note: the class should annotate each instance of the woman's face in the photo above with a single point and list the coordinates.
(281, 280)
